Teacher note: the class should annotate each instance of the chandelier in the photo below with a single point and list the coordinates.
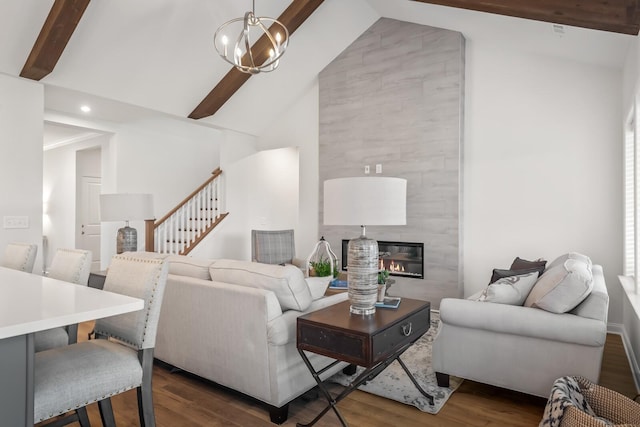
(264, 55)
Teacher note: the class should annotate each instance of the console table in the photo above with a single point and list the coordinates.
(372, 342)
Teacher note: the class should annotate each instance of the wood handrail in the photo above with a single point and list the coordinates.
(214, 175)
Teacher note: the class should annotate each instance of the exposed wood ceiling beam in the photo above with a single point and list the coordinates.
(297, 12)
(61, 22)
(619, 16)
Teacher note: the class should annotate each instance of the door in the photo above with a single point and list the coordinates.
(90, 218)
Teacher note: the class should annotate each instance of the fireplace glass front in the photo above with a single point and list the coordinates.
(400, 258)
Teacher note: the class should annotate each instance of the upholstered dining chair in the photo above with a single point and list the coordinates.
(20, 256)
(71, 377)
(70, 265)
(274, 247)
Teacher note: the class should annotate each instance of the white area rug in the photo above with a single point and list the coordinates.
(393, 382)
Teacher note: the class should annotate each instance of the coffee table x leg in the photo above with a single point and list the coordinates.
(367, 375)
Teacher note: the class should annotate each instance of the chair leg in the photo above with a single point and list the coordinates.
(83, 418)
(145, 392)
(106, 413)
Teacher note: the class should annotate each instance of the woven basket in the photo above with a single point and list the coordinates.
(608, 404)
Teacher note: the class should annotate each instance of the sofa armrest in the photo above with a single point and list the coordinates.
(524, 321)
(282, 330)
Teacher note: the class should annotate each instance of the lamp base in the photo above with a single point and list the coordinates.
(362, 275)
(127, 240)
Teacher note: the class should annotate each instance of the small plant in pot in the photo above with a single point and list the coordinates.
(383, 275)
(321, 268)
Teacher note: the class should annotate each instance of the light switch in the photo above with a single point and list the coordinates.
(379, 168)
(15, 222)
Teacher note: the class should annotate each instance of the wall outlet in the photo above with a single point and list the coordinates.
(15, 222)
(378, 168)
(366, 169)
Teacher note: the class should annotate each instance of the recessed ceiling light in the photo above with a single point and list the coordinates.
(85, 109)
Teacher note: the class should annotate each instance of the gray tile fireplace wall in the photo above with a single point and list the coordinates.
(395, 97)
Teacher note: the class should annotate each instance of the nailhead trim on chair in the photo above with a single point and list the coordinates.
(49, 416)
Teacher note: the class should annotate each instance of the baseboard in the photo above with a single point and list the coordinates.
(618, 329)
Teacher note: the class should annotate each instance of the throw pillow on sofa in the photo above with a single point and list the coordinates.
(571, 255)
(519, 266)
(562, 288)
(285, 281)
(523, 264)
(511, 290)
(498, 274)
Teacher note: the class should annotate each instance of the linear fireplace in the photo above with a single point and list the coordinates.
(400, 258)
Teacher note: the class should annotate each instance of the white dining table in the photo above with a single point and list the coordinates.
(30, 303)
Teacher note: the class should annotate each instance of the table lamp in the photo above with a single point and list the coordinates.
(364, 201)
(126, 207)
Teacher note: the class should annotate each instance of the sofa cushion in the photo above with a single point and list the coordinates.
(188, 266)
(562, 288)
(570, 255)
(510, 290)
(318, 286)
(285, 281)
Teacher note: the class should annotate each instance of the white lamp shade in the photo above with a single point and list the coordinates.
(126, 207)
(365, 201)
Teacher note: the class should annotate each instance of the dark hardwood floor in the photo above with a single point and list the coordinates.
(184, 400)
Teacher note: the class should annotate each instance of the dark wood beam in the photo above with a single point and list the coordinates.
(297, 12)
(619, 16)
(61, 22)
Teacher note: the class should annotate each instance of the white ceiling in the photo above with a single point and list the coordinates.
(158, 56)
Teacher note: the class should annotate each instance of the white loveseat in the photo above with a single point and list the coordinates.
(239, 329)
(522, 348)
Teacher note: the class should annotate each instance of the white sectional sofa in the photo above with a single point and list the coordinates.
(525, 348)
(234, 323)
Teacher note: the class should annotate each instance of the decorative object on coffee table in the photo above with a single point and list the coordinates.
(364, 201)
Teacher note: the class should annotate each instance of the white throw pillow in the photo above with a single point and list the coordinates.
(285, 281)
(561, 288)
(318, 286)
(511, 290)
(571, 255)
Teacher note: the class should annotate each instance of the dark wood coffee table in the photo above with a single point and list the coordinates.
(372, 342)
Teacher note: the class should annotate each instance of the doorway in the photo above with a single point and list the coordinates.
(88, 189)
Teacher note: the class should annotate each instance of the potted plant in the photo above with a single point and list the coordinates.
(321, 268)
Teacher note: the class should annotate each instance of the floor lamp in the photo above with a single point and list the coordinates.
(126, 207)
(364, 201)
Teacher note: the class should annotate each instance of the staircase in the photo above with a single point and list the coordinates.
(179, 231)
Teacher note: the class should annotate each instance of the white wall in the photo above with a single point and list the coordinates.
(301, 130)
(261, 193)
(21, 123)
(542, 163)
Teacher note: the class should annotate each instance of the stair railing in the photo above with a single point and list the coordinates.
(179, 231)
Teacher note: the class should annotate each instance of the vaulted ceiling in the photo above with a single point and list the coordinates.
(158, 54)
